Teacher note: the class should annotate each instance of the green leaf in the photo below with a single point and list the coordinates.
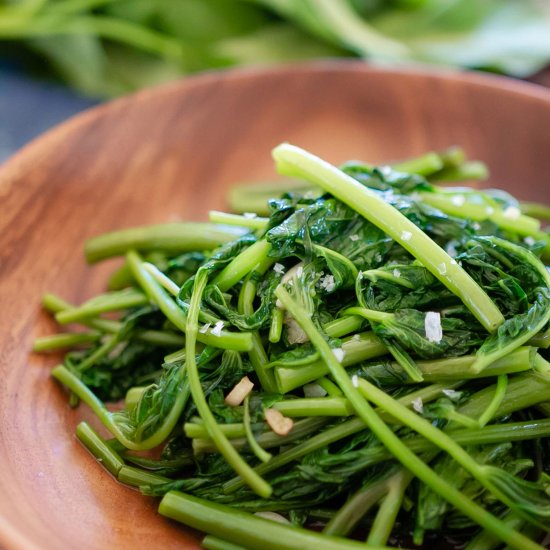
(502, 35)
(80, 59)
(271, 44)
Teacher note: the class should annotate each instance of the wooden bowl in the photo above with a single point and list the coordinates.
(172, 153)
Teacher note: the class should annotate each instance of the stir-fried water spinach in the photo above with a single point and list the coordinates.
(360, 358)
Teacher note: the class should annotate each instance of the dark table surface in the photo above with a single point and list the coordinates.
(29, 106)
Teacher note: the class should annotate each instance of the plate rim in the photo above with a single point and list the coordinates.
(473, 78)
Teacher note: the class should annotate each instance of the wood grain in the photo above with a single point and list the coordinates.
(172, 153)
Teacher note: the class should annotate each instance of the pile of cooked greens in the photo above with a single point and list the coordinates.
(361, 357)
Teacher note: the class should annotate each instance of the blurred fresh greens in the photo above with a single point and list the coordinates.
(110, 47)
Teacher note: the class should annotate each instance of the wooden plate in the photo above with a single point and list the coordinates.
(172, 153)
